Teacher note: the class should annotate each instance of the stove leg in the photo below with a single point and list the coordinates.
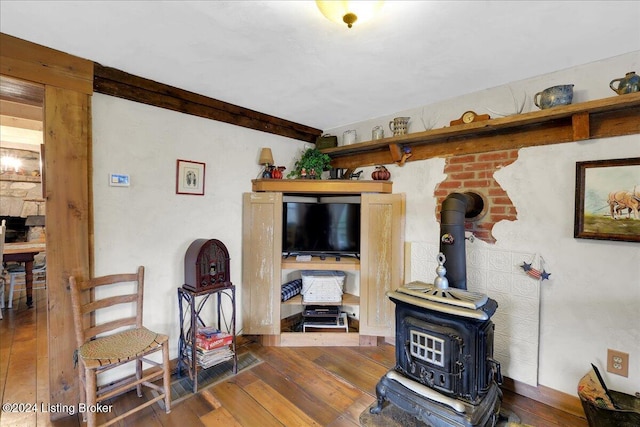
(380, 393)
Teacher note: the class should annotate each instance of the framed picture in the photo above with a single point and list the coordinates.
(190, 177)
(608, 200)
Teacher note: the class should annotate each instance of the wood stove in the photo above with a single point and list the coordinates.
(445, 373)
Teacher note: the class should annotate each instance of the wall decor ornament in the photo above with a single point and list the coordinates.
(190, 177)
(607, 200)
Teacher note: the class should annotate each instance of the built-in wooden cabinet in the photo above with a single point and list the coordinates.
(379, 269)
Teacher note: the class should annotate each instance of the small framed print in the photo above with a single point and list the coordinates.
(608, 200)
(190, 177)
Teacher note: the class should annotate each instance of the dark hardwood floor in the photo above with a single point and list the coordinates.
(312, 386)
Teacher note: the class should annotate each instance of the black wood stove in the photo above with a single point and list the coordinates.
(445, 374)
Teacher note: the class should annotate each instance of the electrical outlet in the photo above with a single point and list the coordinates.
(618, 362)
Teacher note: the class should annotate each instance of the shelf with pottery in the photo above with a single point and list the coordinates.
(600, 118)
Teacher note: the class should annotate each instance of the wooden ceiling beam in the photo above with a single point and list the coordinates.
(110, 81)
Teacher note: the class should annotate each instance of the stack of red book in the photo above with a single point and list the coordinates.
(212, 346)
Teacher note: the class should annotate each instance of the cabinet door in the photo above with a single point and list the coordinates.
(261, 259)
(381, 260)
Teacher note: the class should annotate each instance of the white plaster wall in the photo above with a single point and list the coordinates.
(591, 303)
(592, 300)
(148, 223)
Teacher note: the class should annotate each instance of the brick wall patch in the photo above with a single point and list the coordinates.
(474, 172)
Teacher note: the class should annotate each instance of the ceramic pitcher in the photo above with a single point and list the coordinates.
(552, 96)
(399, 126)
(627, 84)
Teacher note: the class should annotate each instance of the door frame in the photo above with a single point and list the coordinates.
(68, 84)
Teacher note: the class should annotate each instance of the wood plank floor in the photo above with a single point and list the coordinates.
(313, 386)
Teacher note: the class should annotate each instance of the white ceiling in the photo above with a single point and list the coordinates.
(285, 59)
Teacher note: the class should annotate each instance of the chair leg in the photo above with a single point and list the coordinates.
(166, 380)
(12, 285)
(2, 293)
(83, 391)
(90, 375)
(138, 376)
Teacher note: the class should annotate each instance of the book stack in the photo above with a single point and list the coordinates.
(212, 347)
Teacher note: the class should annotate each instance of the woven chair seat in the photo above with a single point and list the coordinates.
(120, 347)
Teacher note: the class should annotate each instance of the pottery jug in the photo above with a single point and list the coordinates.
(348, 137)
(399, 126)
(627, 84)
(553, 96)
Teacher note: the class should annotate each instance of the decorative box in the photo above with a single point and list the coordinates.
(326, 141)
(322, 286)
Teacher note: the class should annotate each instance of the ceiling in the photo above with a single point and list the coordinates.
(283, 58)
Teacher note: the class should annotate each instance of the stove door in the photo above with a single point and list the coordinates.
(432, 355)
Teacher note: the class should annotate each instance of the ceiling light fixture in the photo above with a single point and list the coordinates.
(349, 11)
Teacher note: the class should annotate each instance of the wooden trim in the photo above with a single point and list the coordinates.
(110, 81)
(603, 118)
(68, 183)
(325, 186)
(68, 84)
(554, 398)
(29, 61)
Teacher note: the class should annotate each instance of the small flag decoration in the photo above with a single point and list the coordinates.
(534, 272)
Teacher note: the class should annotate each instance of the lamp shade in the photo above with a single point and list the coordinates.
(266, 158)
(349, 11)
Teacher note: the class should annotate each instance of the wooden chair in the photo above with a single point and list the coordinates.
(116, 346)
(18, 271)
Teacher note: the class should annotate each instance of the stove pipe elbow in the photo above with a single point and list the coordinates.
(455, 209)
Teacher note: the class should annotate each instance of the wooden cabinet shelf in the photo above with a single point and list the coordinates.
(324, 186)
(347, 299)
(601, 118)
(329, 263)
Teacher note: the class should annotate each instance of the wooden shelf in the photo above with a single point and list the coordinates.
(330, 263)
(601, 118)
(19, 177)
(347, 299)
(325, 186)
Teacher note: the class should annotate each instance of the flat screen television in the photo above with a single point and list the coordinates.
(321, 228)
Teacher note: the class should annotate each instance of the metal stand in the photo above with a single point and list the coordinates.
(195, 301)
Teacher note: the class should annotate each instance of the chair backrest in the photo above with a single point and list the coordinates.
(85, 304)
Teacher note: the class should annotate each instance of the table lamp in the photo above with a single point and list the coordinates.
(266, 159)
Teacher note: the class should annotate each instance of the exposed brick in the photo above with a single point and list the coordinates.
(478, 166)
(462, 175)
(494, 155)
(469, 158)
(496, 191)
(498, 209)
(476, 183)
(484, 174)
(450, 184)
(453, 168)
(501, 200)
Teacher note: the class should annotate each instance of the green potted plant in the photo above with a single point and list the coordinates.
(310, 165)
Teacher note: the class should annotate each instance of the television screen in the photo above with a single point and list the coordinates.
(321, 228)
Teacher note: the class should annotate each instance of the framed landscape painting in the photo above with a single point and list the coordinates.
(608, 200)
(190, 177)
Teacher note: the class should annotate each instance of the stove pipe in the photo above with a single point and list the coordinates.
(455, 208)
